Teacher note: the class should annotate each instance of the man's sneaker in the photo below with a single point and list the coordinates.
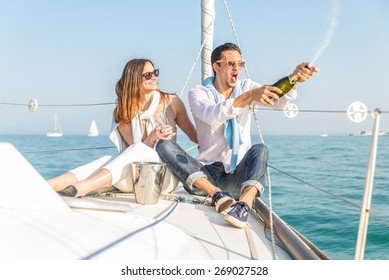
(222, 201)
(238, 214)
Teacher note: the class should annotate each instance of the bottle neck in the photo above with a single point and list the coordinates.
(293, 78)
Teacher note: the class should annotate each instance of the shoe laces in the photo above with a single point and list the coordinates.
(240, 208)
(216, 197)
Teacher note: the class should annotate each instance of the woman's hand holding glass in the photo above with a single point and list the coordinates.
(163, 128)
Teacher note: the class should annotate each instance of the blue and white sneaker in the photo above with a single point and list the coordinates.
(222, 201)
(238, 215)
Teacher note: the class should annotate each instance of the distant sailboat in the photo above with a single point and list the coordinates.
(57, 132)
(93, 131)
(324, 133)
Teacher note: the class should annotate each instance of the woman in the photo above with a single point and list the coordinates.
(134, 133)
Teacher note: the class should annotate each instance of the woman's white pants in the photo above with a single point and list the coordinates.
(120, 168)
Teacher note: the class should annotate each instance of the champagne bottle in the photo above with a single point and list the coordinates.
(286, 84)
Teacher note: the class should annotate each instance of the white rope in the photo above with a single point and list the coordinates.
(197, 57)
(235, 35)
(271, 226)
(263, 142)
(60, 105)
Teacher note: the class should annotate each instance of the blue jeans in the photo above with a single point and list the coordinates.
(250, 171)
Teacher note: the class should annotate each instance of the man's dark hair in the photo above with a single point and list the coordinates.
(217, 53)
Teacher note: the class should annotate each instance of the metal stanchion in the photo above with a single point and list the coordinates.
(365, 210)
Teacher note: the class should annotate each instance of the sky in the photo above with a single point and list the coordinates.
(73, 52)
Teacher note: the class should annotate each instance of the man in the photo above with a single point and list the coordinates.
(227, 160)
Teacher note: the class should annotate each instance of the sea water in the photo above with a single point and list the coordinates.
(317, 183)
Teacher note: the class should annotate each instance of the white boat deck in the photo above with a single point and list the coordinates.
(39, 224)
(207, 227)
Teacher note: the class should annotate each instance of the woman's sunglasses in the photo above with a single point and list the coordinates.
(232, 63)
(148, 75)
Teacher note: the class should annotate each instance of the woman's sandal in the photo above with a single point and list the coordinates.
(70, 191)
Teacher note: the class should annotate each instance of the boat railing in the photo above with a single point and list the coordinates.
(365, 209)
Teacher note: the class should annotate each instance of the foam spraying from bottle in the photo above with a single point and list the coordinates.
(330, 30)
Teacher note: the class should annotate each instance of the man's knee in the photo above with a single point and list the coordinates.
(159, 146)
(260, 150)
(162, 148)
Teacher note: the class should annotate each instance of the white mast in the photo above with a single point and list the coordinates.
(57, 132)
(56, 123)
(207, 20)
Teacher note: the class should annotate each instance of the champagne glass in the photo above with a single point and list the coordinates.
(163, 122)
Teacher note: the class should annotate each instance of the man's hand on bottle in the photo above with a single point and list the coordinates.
(304, 71)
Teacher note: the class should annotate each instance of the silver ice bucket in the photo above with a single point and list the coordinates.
(147, 178)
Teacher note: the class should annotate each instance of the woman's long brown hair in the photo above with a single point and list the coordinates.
(128, 93)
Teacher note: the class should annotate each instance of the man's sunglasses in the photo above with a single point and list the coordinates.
(232, 63)
(148, 75)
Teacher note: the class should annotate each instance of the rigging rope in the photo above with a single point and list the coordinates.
(274, 248)
(312, 110)
(254, 107)
(197, 57)
(76, 105)
(14, 104)
(235, 35)
(105, 248)
(68, 150)
(270, 205)
(262, 140)
(60, 105)
(330, 194)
